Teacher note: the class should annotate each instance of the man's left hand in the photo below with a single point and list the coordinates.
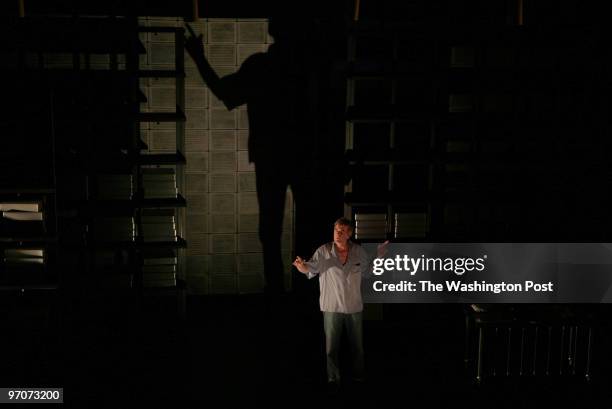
(381, 250)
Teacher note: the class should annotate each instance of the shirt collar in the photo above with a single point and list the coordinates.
(333, 247)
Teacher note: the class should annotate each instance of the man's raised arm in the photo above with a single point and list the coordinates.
(311, 267)
(367, 261)
(195, 48)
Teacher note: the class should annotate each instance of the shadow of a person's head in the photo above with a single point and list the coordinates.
(288, 30)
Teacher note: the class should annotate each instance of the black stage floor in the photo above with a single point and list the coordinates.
(247, 350)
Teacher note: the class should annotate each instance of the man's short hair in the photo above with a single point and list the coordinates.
(343, 221)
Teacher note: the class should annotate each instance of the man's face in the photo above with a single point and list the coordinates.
(342, 233)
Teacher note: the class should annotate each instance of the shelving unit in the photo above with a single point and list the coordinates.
(176, 161)
(91, 66)
(466, 124)
(28, 248)
(30, 275)
(494, 131)
(390, 134)
(20, 270)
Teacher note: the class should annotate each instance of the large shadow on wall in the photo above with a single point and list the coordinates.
(279, 87)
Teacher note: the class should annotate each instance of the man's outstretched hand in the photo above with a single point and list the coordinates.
(300, 265)
(381, 250)
(194, 44)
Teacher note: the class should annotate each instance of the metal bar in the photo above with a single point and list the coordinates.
(522, 351)
(570, 347)
(480, 346)
(350, 100)
(509, 349)
(161, 29)
(548, 350)
(587, 374)
(575, 350)
(496, 341)
(535, 351)
(466, 357)
(179, 66)
(561, 350)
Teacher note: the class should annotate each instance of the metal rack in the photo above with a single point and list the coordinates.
(95, 123)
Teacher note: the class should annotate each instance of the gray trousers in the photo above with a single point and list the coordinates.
(333, 323)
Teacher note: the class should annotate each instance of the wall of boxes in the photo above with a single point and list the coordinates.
(224, 252)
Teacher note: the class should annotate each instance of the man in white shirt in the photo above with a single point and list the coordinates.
(340, 266)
